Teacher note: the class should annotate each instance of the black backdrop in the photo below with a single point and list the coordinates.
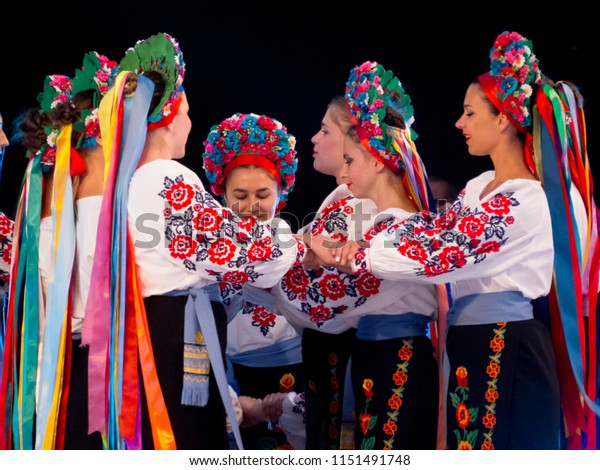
(288, 59)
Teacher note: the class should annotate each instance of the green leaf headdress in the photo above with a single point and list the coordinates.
(57, 89)
(159, 53)
(96, 76)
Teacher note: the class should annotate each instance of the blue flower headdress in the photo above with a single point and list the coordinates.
(250, 139)
(368, 98)
(514, 70)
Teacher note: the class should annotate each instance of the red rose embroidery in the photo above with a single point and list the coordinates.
(499, 205)
(263, 317)
(320, 313)
(296, 281)
(259, 250)
(332, 286)
(208, 220)
(235, 277)
(180, 195)
(454, 256)
(471, 226)
(221, 251)
(182, 247)
(367, 284)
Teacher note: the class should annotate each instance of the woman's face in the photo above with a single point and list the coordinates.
(478, 123)
(359, 170)
(328, 150)
(182, 125)
(251, 191)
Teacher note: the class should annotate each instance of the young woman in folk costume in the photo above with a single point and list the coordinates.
(60, 137)
(326, 342)
(509, 235)
(148, 303)
(250, 161)
(394, 370)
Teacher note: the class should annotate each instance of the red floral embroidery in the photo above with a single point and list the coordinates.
(208, 220)
(296, 281)
(182, 246)
(413, 250)
(263, 317)
(320, 313)
(221, 251)
(235, 277)
(260, 250)
(332, 286)
(180, 195)
(6, 225)
(367, 284)
(454, 256)
(499, 205)
(471, 226)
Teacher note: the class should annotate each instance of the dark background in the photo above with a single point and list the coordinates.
(288, 59)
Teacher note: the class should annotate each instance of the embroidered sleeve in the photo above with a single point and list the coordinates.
(6, 239)
(449, 246)
(214, 242)
(316, 297)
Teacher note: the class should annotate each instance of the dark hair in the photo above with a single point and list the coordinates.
(393, 116)
(29, 128)
(159, 88)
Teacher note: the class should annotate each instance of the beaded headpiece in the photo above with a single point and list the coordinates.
(513, 71)
(368, 98)
(57, 89)
(250, 139)
(160, 53)
(97, 74)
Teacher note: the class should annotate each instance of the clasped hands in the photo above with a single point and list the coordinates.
(329, 252)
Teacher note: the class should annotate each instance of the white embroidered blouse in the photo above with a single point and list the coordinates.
(184, 238)
(501, 242)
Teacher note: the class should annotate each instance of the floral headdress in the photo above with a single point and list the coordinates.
(97, 74)
(250, 139)
(368, 102)
(513, 72)
(160, 53)
(57, 89)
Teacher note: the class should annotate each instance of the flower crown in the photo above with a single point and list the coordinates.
(160, 53)
(250, 139)
(515, 69)
(96, 74)
(368, 102)
(57, 89)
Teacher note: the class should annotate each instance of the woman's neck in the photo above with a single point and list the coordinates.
(392, 194)
(509, 163)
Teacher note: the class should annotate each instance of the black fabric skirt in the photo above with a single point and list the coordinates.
(258, 382)
(503, 390)
(325, 357)
(396, 393)
(194, 427)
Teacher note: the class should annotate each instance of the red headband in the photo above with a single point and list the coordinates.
(489, 84)
(256, 160)
(166, 120)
